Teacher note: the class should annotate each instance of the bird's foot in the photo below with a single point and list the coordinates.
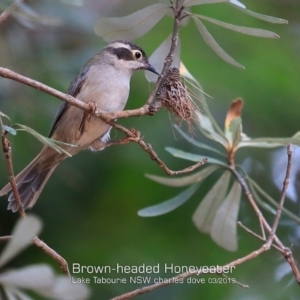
(93, 107)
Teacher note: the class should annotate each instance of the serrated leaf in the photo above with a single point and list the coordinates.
(224, 225)
(211, 42)
(266, 18)
(169, 205)
(24, 231)
(46, 141)
(196, 143)
(188, 3)
(9, 129)
(205, 212)
(193, 157)
(186, 180)
(132, 26)
(158, 57)
(241, 29)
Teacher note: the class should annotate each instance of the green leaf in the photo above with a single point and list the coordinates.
(234, 131)
(198, 90)
(132, 26)
(188, 3)
(4, 116)
(193, 157)
(9, 129)
(196, 143)
(241, 29)
(205, 212)
(158, 57)
(169, 205)
(46, 141)
(211, 42)
(224, 225)
(270, 142)
(207, 128)
(260, 16)
(186, 180)
(256, 187)
(259, 200)
(25, 230)
(238, 3)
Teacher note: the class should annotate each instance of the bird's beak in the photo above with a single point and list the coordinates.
(150, 68)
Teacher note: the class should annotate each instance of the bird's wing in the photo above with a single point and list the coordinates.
(74, 89)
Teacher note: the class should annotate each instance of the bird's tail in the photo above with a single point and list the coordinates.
(30, 183)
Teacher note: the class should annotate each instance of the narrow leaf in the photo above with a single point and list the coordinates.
(211, 42)
(4, 116)
(158, 57)
(270, 142)
(188, 3)
(260, 16)
(235, 111)
(197, 88)
(193, 157)
(261, 191)
(196, 143)
(25, 230)
(224, 225)
(207, 128)
(205, 212)
(238, 3)
(186, 180)
(132, 26)
(9, 129)
(241, 29)
(64, 289)
(234, 131)
(46, 141)
(17, 294)
(32, 277)
(169, 205)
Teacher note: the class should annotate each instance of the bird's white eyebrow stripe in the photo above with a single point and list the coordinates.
(119, 45)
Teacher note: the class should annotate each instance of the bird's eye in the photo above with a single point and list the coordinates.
(137, 54)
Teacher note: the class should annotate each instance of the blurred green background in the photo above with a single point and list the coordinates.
(89, 206)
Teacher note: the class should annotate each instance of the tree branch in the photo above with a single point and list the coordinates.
(7, 13)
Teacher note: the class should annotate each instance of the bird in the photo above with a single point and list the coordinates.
(103, 83)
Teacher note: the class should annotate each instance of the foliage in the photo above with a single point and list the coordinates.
(39, 278)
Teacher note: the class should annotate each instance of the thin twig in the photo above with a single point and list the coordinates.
(177, 9)
(40, 244)
(255, 207)
(134, 136)
(6, 146)
(285, 251)
(185, 275)
(53, 254)
(7, 13)
(45, 248)
(109, 118)
(262, 238)
(283, 194)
